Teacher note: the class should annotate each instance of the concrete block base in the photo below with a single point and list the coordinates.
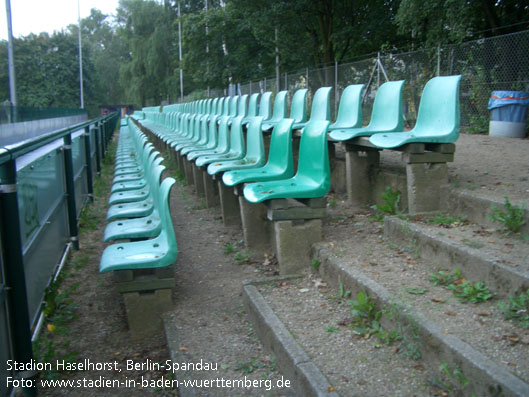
(256, 228)
(144, 312)
(360, 173)
(211, 192)
(423, 195)
(198, 177)
(293, 241)
(229, 203)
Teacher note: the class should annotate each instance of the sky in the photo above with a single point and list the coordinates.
(36, 16)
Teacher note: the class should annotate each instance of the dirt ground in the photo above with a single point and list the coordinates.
(208, 312)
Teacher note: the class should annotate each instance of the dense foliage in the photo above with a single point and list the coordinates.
(132, 56)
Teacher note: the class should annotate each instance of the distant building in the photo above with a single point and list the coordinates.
(123, 109)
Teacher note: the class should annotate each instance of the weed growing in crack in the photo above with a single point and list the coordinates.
(451, 380)
(471, 292)
(444, 277)
(512, 218)
(242, 257)
(315, 264)
(391, 204)
(516, 309)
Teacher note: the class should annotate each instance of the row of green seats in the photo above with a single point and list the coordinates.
(139, 208)
(210, 133)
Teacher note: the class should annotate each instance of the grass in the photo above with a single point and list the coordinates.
(444, 277)
(315, 264)
(446, 220)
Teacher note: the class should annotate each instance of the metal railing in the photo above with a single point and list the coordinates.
(44, 182)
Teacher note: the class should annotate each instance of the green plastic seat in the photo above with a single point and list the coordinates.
(252, 108)
(320, 109)
(243, 106)
(147, 254)
(255, 154)
(234, 106)
(235, 149)
(350, 108)
(280, 164)
(140, 183)
(223, 142)
(264, 106)
(298, 108)
(280, 111)
(211, 141)
(437, 118)
(386, 115)
(313, 178)
(139, 208)
(141, 193)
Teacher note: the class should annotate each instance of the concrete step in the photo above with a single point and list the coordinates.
(438, 345)
(505, 272)
(476, 206)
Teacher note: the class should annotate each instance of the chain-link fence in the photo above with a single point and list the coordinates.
(497, 63)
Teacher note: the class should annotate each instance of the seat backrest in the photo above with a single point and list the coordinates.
(220, 106)
(212, 131)
(226, 110)
(236, 136)
(243, 105)
(313, 160)
(233, 106)
(438, 114)
(264, 105)
(165, 217)
(254, 140)
(214, 106)
(252, 105)
(387, 108)
(280, 106)
(223, 143)
(298, 108)
(321, 105)
(350, 107)
(280, 153)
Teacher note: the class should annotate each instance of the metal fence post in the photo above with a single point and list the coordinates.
(15, 280)
(103, 139)
(88, 164)
(70, 191)
(335, 88)
(438, 60)
(98, 148)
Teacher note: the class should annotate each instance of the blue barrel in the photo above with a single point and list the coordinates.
(508, 113)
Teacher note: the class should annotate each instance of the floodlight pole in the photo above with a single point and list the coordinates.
(80, 55)
(180, 53)
(10, 57)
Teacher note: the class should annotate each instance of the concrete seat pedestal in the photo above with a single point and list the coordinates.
(426, 173)
(147, 295)
(289, 227)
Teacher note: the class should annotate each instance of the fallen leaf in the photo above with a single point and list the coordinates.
(51, 327)
(449, 313)
(438, 300)
(484, 314)
(460, 281)
(444, 331)
(344, 379)
(183, 349)
(331, 244)
(491, 241)
(416, 291)
(418, 367)
(361, 382)
(304, 290)
(330, 388)
(395, 350)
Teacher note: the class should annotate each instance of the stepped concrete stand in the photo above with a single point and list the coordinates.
(288, 226)
(426, 172)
